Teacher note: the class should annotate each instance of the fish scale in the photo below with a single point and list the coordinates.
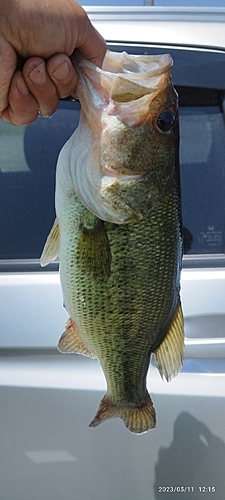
(120, 265)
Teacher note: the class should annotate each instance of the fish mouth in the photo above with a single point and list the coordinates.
(123, 79)
(126, 77)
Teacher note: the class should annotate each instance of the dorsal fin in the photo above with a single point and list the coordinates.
(51, 249)
(70, 341)
(169, 355)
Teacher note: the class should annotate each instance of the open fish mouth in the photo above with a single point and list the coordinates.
(127, 77)
(117, 116)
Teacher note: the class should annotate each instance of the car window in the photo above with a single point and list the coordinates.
(202, 156)
(28, 157)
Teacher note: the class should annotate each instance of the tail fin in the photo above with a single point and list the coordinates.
(138, 419)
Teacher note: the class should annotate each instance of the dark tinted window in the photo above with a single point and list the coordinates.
(202, 156)
(28, 158)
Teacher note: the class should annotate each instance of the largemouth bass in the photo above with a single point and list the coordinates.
(118, 230)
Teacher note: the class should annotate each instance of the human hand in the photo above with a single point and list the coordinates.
(45, 34)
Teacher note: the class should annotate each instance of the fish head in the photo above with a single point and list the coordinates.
(131, 108)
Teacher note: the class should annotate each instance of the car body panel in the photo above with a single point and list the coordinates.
(163, 25)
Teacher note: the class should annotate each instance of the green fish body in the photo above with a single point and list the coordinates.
(119, 244)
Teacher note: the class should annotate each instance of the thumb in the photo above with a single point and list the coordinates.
(8, 61)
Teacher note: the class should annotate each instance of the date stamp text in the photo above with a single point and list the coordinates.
(186, 489)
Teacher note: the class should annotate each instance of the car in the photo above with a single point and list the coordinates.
(47, 449)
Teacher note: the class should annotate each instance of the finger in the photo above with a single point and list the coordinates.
(41, 86)
(90, 43)
(22, 108)
(62, 73)
(7, 65)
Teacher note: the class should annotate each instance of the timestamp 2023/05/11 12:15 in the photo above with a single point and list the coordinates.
(186, 489)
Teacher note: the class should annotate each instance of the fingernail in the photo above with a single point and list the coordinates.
(21, 86)
(61, 71)
(38, 74)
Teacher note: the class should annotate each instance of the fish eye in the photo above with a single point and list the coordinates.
(165, 122)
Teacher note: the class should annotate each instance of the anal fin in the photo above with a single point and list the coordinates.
(70, 342)
(169, 355)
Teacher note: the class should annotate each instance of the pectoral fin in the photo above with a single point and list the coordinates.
(70, 342)
(95, 254)
(51, 249)
(169, 355)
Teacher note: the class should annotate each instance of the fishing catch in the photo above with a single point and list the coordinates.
(118, 230)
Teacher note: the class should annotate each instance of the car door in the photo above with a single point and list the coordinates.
(48, 399)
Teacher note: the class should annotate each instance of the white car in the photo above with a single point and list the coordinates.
(47, 450)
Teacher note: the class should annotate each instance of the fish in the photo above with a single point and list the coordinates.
(118, 230)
